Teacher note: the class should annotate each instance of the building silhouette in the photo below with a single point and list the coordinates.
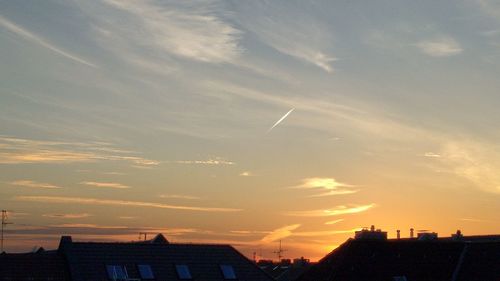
(155, 259)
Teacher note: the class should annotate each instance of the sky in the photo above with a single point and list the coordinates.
(248, 122)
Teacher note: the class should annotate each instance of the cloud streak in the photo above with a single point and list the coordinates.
(110, 202)
(67, 216)
(105, 184)
(212, 161)
(22, 151)
(179, 196)
(336, 211)
(12, 27)
(279, 233)
(30, 183)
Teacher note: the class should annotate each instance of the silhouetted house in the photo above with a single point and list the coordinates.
(155, 259)
(456, 258)
(36, 266)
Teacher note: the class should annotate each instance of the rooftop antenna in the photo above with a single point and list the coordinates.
(4, 224)
(279, 252)
(143, 234)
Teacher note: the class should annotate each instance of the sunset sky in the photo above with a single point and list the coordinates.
(247, 122)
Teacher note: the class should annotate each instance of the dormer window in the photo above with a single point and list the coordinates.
(117, 272)
(145, 271)
(183, 271)
(227, 271)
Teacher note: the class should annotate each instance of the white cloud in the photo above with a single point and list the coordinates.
(12, 27)
(442, 47)
(330, 185)
(30, 183)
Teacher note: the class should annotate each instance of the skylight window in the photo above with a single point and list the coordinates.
(145, 271)
(227, 271)
(183, 271)
(117, 272)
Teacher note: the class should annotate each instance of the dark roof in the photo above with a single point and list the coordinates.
(88, 260)
(40, 265)
(440, 259)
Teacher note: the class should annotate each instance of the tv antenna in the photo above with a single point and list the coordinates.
(143, 234)
(4, 224)
(280, 252)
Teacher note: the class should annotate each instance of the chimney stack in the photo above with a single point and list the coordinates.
(399, 234)
(411, 233)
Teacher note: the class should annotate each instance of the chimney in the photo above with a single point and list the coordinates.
(411, 233)
(399, 234)
(372, 228)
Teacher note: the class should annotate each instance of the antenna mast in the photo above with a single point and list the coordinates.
(143, 234)
(279, 252)
(4, 224)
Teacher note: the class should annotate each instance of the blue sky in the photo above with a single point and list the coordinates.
(128, 115)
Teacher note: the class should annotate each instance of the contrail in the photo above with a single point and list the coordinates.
(281, 119)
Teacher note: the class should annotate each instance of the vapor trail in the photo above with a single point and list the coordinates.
(281, 119)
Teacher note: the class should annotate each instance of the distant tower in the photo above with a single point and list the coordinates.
(399, 234)
(412, 233)
(4, 224)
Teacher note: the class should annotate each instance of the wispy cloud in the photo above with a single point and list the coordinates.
(34, 184)
(279, 233)
(334, 222)
(246, 174)
(323, 233)
(332, 186)
(289, 30)
(67, 216)
(87, 225)
(127, 217)
(12, 27)
(442, 47)
(471, 220)
(476, 161)
(211, 161)
(105, 184)
(20, 151)
(248, 232)
(432, 155)
(179, 196)
(336, 211)
(191, 30)
(110, 202)
(280, 120)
